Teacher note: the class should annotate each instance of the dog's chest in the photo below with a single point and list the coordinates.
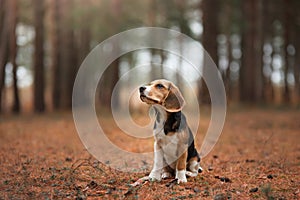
(166, 140)
(168, 143)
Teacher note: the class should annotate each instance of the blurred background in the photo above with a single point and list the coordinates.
(255, 44)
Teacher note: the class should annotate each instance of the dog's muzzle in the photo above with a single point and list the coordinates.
(142, 89)
(144, 97)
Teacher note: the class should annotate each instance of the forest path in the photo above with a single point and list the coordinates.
(257, 156)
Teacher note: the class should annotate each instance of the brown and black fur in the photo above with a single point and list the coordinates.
(170, 125)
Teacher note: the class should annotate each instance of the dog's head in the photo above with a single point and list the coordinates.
(164, 93)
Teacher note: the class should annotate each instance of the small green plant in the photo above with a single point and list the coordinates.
(267, 190)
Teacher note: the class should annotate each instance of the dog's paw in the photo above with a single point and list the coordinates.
(180, 176)
(182, 180)
(155, 176)
(166, 175)
(191, 174)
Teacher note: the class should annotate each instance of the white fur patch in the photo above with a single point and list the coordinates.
(147, 92)
(180, 175)
(155, 175)
(193, 168)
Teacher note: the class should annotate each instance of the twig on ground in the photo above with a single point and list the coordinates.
(140, 181)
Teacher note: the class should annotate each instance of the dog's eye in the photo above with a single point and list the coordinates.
(159, 86)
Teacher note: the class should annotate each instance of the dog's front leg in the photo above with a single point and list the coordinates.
(156, 172)
(181, 168)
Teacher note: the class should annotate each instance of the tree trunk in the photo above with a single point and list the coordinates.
(84, 43)
(4, 48)
(291, 34)
(226, 28)
(111, 76)
(13, 53)
(251, 70)
(155, 71)
(72, 58)
(210, 10)
(287, 38)
(109, 79)
(258, 52)
(67, 65)
(39, 99)
(179, 66)
(69, 55)
(56, 54)
(247, 68)
(297, 68)
(210, 24)
(268, 92)
(2, 11)
(296, 27)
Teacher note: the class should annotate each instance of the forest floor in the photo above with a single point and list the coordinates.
(257, 157)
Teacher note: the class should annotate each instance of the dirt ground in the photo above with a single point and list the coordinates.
(257, 157)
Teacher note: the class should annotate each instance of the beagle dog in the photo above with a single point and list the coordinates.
(174, 150)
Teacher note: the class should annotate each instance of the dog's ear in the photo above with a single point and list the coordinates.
(174, 102)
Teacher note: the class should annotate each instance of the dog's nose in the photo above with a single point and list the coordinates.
(142, 89)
